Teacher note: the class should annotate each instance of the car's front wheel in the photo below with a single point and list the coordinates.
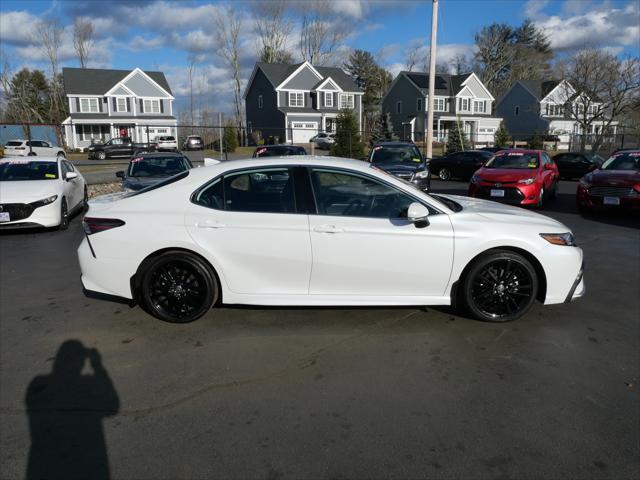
(499, 287)
(178, 287)
(444, 174)
(101, 155)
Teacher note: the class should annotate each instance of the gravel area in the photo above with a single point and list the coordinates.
(104, 188)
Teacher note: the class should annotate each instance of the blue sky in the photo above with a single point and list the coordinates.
(160, 34)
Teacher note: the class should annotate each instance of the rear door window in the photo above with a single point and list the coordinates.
(267, 190)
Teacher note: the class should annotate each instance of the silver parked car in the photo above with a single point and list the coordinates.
(324, 140)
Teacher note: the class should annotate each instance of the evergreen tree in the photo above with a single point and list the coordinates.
(347, 137)
(457, 140)
(382, 130)
(502, 137)
(230, 138)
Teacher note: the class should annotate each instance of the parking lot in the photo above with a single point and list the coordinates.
(253, 392)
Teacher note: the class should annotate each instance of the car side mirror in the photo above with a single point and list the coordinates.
(71, 176)
(418, 214)
(120, 174)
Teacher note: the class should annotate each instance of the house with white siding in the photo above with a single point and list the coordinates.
(105, 104)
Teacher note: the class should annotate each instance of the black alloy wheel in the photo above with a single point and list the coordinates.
(85, 200)
(500, 286)
(444, 174)
(178, 288)
(64, 215)
(101, 155)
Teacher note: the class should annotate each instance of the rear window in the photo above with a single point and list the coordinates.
(516, 160)
(14, 143)
(623, 161)
(24, 170)
(161, 184)
(157, 166)
(392, 154)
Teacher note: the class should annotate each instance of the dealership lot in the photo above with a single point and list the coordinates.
(332, 393)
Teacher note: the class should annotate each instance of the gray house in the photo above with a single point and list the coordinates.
(105, 104)
(548, 107)
(458, 98)
(297, 101)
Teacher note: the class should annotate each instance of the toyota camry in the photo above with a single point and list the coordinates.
(318, 232)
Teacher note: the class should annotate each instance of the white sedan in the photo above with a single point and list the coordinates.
(39, 192)
(26, 148)
(321, 231)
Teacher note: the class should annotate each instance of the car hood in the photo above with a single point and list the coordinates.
(28, 191)
(499, 212)
(616, 178)
(505, 175)
(138, 183)
(399, 167)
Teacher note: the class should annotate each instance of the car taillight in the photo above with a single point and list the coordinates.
(636, 187)
(93, 225)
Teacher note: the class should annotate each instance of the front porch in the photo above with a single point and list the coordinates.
(79, 134)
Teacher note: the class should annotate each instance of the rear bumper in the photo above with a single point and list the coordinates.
(106, 276)
(596, 202)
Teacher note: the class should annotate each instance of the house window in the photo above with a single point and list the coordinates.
(398, 107)
(516, 111)
(419, 104)
(96, 132)
(465, 104)
(328, 99)
(438, 105)
(346, 101)
(479, 106)
(89, 105)
(121, 104)
(152, 106)
(260, 102)
(296, 99)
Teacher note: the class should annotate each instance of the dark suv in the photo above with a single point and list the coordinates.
(278, 151)
(403, 160)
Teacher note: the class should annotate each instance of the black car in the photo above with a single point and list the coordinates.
(575, 164)
(494, 149)
(150, 168)
(278, 151)
(117, 147)
(460, 164)
(403, 160)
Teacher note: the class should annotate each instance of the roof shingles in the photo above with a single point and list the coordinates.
(94, 81)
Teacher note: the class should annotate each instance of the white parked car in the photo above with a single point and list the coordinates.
(39, 192)
(166, 143)
(24, 148)
(324, 140)
(321, 231)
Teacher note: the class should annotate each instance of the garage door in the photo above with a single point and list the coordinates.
(303, 131)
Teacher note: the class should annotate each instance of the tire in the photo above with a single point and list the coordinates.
(500, 286)
(32, 154)
(554, 191)
(101, 155)
(85, 200)
(64, 215)
(444, 174)
(168, 287)
(541, 199)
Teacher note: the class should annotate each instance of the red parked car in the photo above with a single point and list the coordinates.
(615, 185)
(518, 177)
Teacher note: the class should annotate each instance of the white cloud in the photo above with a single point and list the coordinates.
(534, 8)
(395, 68)
(350, 8)
(17, 27)
(140, 43)
(604, 26)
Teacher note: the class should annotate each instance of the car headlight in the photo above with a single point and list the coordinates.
(44, 201)
(584, 182)
(565, 239)
(526, 181)
(422, 174)
(476, 179)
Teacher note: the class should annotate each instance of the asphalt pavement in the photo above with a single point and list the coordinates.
(333, 393)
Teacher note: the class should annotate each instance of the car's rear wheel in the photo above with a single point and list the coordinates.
(178, 287)
(85, 199)
(64, 215)
(499, 287)
(101, 155)
(444, 174)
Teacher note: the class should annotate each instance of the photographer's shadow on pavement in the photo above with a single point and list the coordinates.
(65, 411)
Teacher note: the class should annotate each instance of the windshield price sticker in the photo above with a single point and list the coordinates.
(532, 165)
(416, 160)
(375, 149)
(515, 154)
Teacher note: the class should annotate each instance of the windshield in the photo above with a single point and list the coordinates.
(13, 171)
(382, 154)
(517, 160)
(157, 166)
(14, 143)
(623, 161)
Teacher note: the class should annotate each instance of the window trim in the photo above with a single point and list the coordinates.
(351, 100)
(477, 103)
(469, 102)
(325, 96)
(296, 93)
(118, 104)
(419, 104)
(153, 101)
(399, 106)
(436, 107)
(516, 110)
(89, 101)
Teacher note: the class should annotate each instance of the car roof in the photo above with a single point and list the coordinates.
(521, 150)
(35, 158)
(279, 145)
(395, 144)
(159, 154)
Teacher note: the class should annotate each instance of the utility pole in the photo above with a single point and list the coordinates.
(432, 77)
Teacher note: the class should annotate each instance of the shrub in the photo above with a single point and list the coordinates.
(457, 140)
(347, 137)
(230, 138)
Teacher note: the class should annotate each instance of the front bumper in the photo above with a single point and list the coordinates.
(578, 289)
(46, 216)
(596, 202)
(514, 194)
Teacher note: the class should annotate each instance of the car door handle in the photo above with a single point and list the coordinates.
(209, 224)
(327, 229)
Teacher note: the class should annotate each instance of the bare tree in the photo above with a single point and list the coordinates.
(320, 34)
(228, 23)
(417, 58)
(600, 89)
(83, 39)
(461, 64)
(273, 28)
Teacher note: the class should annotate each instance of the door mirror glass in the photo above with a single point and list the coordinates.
(120, 174)
(71, 175)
